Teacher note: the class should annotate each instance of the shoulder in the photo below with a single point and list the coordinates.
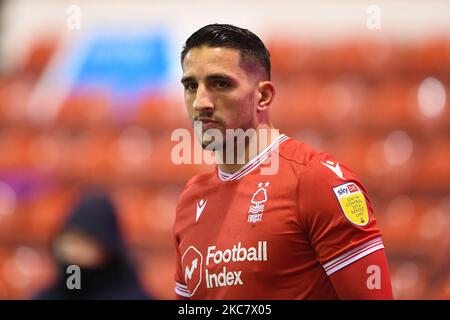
(330, 192)
(197, 181)
(318, 173)
(315, 164)
(297, 152)
(194, 186)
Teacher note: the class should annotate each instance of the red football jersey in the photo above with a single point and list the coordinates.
(249, 235)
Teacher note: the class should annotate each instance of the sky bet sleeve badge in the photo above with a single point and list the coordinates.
(353, 203)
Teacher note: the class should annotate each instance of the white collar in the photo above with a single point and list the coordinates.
(254, 163)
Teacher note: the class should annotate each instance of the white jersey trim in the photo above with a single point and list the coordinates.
(182, 290)
(353, 255)
(252, 164)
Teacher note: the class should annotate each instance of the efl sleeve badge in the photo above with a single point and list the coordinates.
(352, 203)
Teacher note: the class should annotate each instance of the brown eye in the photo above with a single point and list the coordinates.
(190, 86)
(221, 84)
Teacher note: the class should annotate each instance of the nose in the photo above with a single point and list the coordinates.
(202, 100)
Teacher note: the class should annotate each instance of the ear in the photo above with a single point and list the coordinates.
(266, 95)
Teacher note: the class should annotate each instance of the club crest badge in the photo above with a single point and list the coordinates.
(256, 209)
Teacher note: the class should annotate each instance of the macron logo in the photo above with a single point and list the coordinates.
(200, 206)
(189, 271)
(335, 168)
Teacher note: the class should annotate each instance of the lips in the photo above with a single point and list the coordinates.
(208, 123)
(206, 120)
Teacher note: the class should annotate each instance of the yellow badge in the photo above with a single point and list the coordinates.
(353, 203)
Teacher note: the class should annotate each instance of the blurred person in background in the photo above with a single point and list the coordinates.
(91, 240)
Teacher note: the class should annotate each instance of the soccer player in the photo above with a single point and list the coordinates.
(303, 231)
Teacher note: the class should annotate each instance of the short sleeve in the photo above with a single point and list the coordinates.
(337, 215)
(181, 289)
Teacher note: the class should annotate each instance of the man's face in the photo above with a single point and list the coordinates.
(73, 247)
(219, 90)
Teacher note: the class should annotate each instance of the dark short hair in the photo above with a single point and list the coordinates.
(217, 35)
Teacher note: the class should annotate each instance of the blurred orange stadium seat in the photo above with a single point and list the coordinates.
(160, 113)
(157, 273)
(433, 55)
(145, 215)
(85, 110)
(390, 104)
(415, 227)
(83, 155)
(39, 55)
(409, 277)
(23, 271)
(13, 143)
(433, 169)
(289, 58)
(45, 215)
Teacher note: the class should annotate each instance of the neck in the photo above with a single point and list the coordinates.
(246, 149)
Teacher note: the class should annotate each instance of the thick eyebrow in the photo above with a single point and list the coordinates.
(214, 76)
(187, 79)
